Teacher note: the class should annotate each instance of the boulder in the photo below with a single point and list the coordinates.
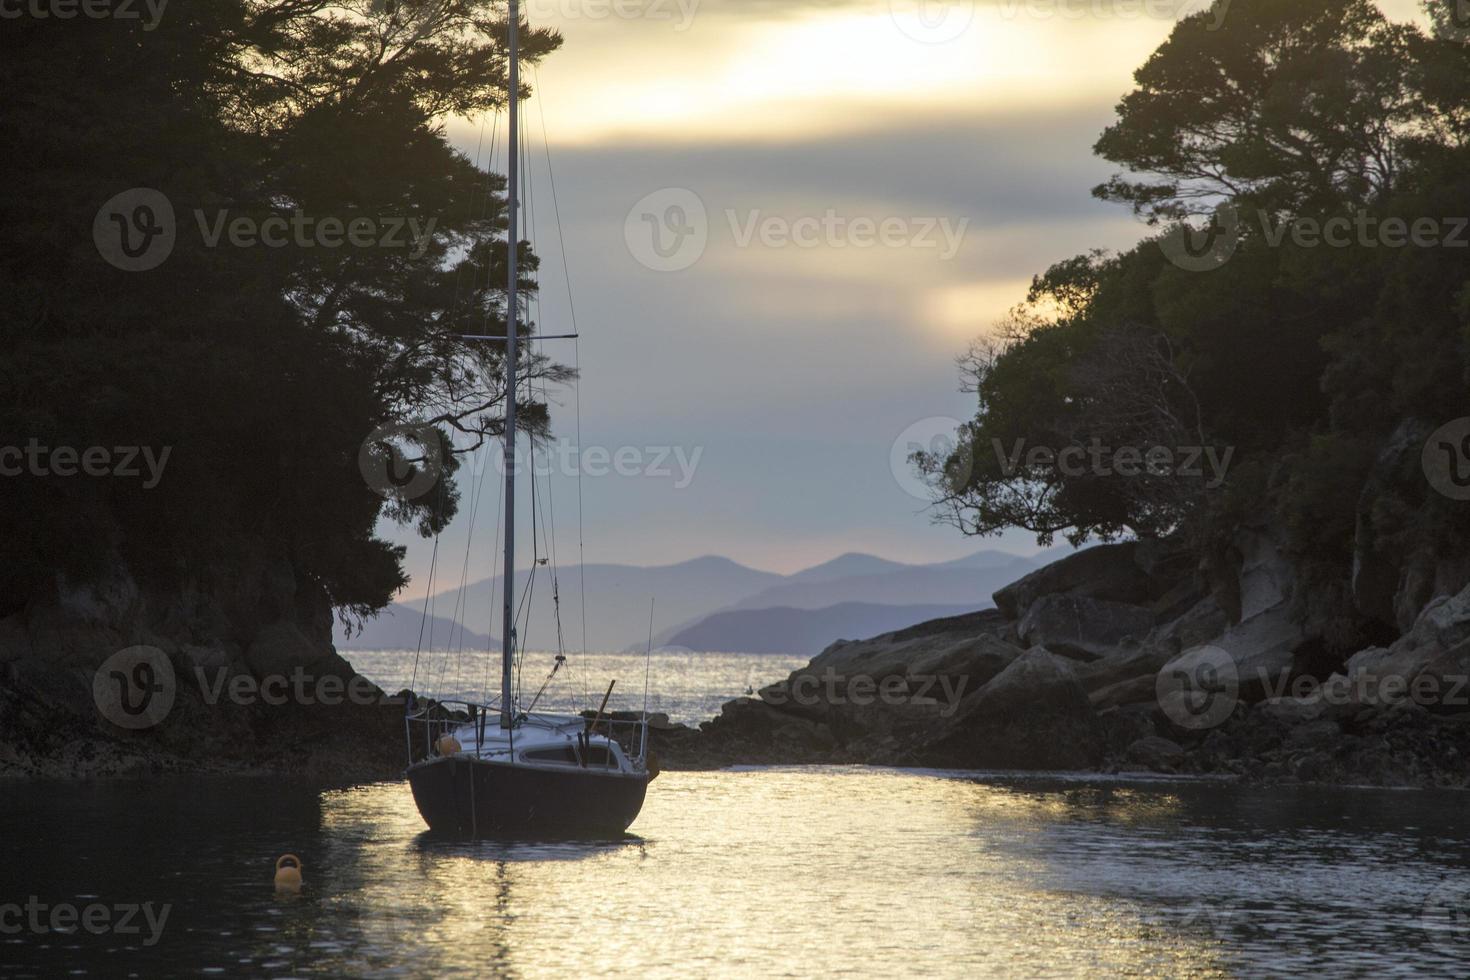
(1124, 726)
(1032, 715)
(210, 657)
(1199, 624)
(1390, 585)
(1266, 578)
(1122, 671)
(1429, 665)
(280, 648)
(1081, 627)
(768, 732)
(1262, 654)
(1156, 753)
(1426, 578)
(1321, 734)
(977, 659)
(1377, 570)
(1263, 642)
(1137, 690)
(1264, 649)
(1292, 711)
(15, 643)
(1106, 571)
(964, 651)
(111, 600)
(1178, 601)
(1130, 662)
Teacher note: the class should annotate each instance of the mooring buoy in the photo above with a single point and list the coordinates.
(288, 876)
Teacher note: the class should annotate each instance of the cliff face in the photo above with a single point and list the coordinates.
(1132, 656)
(234, 670)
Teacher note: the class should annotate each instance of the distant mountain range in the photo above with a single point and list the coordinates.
(710, 603)
(803, 632)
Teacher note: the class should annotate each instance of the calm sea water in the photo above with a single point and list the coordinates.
(759, 872)
(689, 687)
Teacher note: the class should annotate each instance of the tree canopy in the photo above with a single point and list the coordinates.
(263, 368)
(1299, 358)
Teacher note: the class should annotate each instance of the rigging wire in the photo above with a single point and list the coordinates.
(477, 482)
(577, 366)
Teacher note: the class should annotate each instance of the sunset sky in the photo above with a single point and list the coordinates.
(788, 355)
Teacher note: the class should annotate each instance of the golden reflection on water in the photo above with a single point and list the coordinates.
(775, 872)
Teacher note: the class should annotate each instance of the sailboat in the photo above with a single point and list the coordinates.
(493, 770)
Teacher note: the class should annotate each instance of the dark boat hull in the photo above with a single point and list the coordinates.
(464, 797)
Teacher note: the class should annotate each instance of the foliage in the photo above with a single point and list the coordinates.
(1301, 359)
(263, 369)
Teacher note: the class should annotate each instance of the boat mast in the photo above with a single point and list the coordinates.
(507, 654)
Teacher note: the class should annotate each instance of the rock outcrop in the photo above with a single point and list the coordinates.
(1033, 715)
(1126, 657)
(1081, 627)
(244, 660)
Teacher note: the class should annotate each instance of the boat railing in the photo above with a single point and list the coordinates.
(427, 720)
(431, 719)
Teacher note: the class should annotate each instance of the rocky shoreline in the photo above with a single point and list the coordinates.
(1121, 658)
(1125, 658)
(207, 648)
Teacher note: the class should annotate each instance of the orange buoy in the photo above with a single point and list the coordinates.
(447, 745)
(288, 876)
